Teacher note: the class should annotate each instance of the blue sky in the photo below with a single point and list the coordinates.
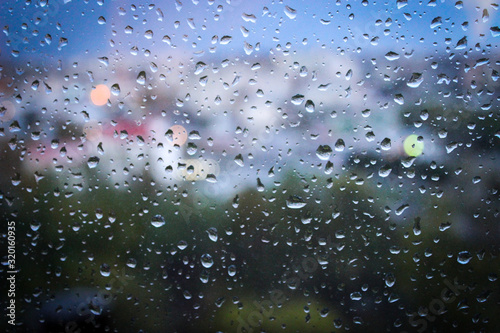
(320, 22)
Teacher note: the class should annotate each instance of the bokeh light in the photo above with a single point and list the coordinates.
(179, 136)
(93, 131)
(413, 146)
(100, 95)
(7, 110)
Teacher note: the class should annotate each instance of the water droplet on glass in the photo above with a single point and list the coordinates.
(295, 202)
(260, 186)
(239, 160)
(324, 152)
(398, 98)
(212, 234)
(298, 99)
(115, 89)
(385, 171)
(93, 162)
(390, 280)
(105, 270)
(141, 78)
(206, 260)
(231, 270)
(401, 3)
(356, 296)
(310, 106)
(464, 257)
(386, 144)
(391, 56)
(182, 244)
(340, 145)
(415, 80)
(436, 22)
(157, 221)
(290, 12)
(132, 263)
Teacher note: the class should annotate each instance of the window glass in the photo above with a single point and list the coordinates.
(250, 166)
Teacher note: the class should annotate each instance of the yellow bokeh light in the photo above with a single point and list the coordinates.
(100, 95)
(413, 146)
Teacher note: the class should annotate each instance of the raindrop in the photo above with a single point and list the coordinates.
(391, 56)
(401, 3)
(298, 99)
(148, 34)
(226, 40)
(239, 160)
(390, 280)
(324, 152)
(356, 296)
(340, 145)
(386, 144)
(191, 148)
(93, 162)
(401, 209)
(398, 98)
(158, 221)
(295, 202)
(464, 257)
(105, 270)
(206, 260)
(385, 171)
(415, 80)
(141, 78)
(290, 12)
(310, 106)
(199, 68)
(260, 186)
(461, 44)
(212, 234)
(115, 89)
(132, 263)
(436, 22)
(182, 244)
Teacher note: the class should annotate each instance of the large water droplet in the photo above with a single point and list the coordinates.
(415, 80)
(158, 221)
(297, 99)
(324, 152)
(340, 145)
(295, 202)
(310, 106)
(105, 270)
(389, 280)
(464, 257)
(141, 77)
(385, 171)
(386, 144)
(391, 56)
(212, 234)
(239, 160)
(93, 162)
(206, 260)
(290, 12)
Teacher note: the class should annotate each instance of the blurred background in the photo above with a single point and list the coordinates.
(248, 166)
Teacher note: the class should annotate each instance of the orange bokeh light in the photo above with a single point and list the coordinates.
(179, 135)
(100, 95)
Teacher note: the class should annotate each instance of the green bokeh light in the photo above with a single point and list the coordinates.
(413, 147)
